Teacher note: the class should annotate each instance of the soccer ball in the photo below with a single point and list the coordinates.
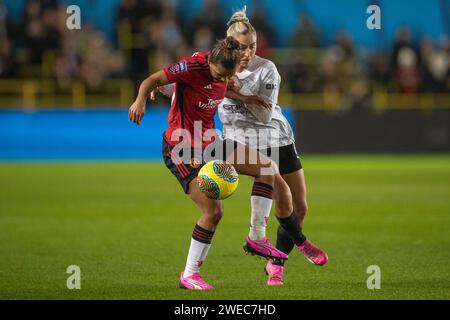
(217, 180)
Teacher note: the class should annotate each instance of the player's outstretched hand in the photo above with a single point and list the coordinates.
(258, 101)
(136, 111)
(234, 84)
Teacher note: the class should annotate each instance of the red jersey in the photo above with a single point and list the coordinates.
(196, 98)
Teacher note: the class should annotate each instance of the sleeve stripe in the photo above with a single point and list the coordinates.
(180, 102)
(197, 64)
(198, 69)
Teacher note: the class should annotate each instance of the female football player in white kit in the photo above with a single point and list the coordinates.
(267, 130)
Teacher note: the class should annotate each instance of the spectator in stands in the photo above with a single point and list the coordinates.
(203, 39)
(166, 35)
(338, 62)
(266, 38)
(67, 65)
(171, 38)
(211, 15)
(51, 29)
(6, 59)
(403, 39)
(140, 16)
(130, 12)
(380, 71)
(300, 77)
(405, 63)
(33, 31)
(6, 52)
(98, 60)
(435, 66)
(407, 73)
(300, 72)
(345, 46)
(157, 40)
(89, 57)
(329, 76)
(49, 4)
(138, 13)
(306, 35)
(3, 20)
(40, 28)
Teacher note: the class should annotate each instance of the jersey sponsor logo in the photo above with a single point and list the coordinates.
(270, 86)
(178, 67)
(235, 108)
(211, 104)
(209, 86)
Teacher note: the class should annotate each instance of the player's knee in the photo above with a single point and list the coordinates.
(301, 208)
(284, 204)
(267, 179)
(218, 214)
(214, 213)
(272, 169)
(267, 172)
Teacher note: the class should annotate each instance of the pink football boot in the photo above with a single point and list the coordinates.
(274, 274)
(194, 282)
(263, 248)
(313, 253)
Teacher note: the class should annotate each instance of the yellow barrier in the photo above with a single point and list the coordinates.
(32, 93)
(42, 90)
(379, 102)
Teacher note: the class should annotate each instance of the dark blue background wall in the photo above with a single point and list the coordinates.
(68, 134)
(72, 135)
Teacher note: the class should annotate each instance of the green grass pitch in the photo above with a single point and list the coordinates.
(128, 227)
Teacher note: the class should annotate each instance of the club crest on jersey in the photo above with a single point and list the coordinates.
(195, 163)
(178, 67)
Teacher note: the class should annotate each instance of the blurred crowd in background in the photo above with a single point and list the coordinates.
(151, 34)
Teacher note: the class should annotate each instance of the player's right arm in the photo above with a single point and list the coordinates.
(167, 91)
(137, 109)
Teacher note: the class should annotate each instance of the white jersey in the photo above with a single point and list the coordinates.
(262, 79)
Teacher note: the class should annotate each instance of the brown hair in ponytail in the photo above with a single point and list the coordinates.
(226, 52)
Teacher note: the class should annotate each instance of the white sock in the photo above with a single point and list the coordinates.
(205, 253)
(261, 202)
(198, 250)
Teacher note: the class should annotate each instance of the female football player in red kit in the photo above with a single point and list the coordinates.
(200, 86)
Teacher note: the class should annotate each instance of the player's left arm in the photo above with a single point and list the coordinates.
(270, 83)
(247, 99)
(259, 104)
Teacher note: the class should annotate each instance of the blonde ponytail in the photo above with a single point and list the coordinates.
(240, 24)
